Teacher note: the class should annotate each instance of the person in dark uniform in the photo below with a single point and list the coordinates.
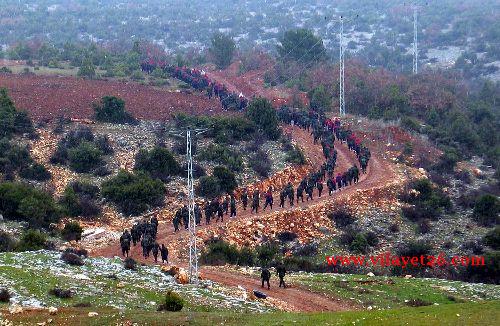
(300, 193)
(281, 271)
(244, 199)
(164, 253)
(265, 275)
(319, 185)
(233, 206)
(255, 201)
(282, 198)
(156, 251)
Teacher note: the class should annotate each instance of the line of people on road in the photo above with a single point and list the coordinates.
(144, 233)
(199, 80)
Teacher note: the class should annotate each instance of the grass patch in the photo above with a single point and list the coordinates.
(451, 314)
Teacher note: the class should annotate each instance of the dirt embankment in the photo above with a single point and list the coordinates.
(48, 97)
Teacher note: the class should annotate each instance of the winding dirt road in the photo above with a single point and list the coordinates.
(298, 299)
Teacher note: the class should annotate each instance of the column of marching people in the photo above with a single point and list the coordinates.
(323, 130)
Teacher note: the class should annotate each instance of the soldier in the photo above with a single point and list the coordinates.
(164, 253)
(344, 179)
(309, 190)
(269, 199)
(233, 206)
(281, 271)
(208, 212)
(144, 245)
(255, 201)
(156, 250)
(220, 214)
(363, 161)
(319, 185)
(355, 173)
(185, 216)
(154, 223)
(331, 186)
(338, 179)
(300, 193)
(125, 243)
(197, 214)
(177, 220)
(265, 275)
(136, 237)
(244, 199)
(225, 204)
(282, 198)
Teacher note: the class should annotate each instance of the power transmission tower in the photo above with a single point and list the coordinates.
(415, 41)
(341, 69)
(193, 249)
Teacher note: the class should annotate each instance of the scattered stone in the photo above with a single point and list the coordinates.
(15, 309)
(53, 311)
(370, 274)
(93, 314)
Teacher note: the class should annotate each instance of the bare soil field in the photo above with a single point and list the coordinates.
(46, 98)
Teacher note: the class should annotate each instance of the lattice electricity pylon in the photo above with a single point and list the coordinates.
(342, 67)
(193, 249)
(415, 41)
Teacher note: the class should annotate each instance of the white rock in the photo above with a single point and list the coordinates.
(408, 276)
(369, 308)
(93, 314)
(370, 274)
(53, 310)
(15, 309)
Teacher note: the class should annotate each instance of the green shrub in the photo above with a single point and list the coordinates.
(36, 171)
(410, 123)
(171, 302)
(25, 203)
(159, 162)
(266, 253)
(227, 179)
(84, 188)
(7, 242)
(489, 273)
(12, 121)
(32, 240)
(298, 264)
(492, 238)
(208, 187)
(487, 209)
(222, 155)
(260, 163)
(70, 203)
(246, 257)
(359, 244)
(220, 253)
(261, 112)
(341, 216)
(112, 109)
(134, 193)
(14, 158)
(85, 157)
(72, 231)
